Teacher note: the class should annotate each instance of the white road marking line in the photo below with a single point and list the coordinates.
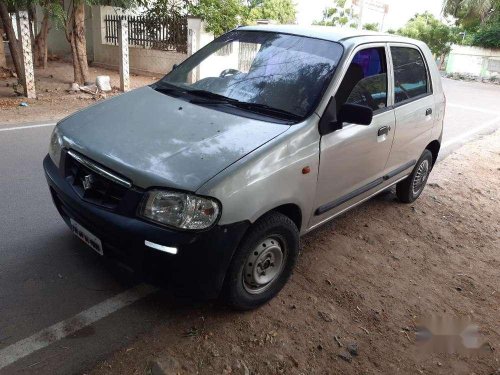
(470, 133)
(27, 127)
(469, 108)
(60, 330)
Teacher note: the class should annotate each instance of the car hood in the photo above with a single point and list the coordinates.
(157, 140)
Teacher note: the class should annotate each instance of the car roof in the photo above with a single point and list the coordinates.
(335, 34)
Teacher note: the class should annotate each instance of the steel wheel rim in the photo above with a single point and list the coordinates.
(264, 265)
(420, 177)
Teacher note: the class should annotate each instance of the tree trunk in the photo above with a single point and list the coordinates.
(78, 43)
(41, 46)
(14, 44)
(77, 73)
(441, 61)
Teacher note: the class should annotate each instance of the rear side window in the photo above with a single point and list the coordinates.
(410, 74)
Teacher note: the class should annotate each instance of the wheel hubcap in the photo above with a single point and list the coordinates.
(420, 177)
(263, 265)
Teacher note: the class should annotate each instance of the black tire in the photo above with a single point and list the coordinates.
(272, 227)
(405, 190)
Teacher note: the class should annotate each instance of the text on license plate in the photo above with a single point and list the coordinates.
(87, 237)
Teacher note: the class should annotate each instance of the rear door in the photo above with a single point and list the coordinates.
(352, 159)
(413, 105)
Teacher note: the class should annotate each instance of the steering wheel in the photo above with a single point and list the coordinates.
(369, 99)
(229, 72)
(403, 90)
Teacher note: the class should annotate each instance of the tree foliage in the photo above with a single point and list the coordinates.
(219, 15)
(374, 26)
(470, 14)
(282, 11)
(488, 35)
(427, 28)
(338, 15)
(164, 8)
(479, 21)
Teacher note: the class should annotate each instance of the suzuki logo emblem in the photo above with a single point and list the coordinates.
(87, 181)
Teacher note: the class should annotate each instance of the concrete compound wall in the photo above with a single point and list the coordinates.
(477, 61)
(142, 60)
(3, 48)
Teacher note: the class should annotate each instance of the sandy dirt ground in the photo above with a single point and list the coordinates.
(54, 101)
(363, 283)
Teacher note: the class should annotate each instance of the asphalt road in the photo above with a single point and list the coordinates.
(61, 309)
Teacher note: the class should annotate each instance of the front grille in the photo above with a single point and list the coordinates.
(92, 186)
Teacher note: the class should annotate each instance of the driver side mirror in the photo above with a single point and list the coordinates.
(175, 66)
(356, 114)
(351, 113)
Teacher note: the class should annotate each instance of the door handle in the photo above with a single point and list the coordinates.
(428, 111)
(383, 130)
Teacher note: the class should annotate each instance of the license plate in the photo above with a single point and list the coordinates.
(87, 237)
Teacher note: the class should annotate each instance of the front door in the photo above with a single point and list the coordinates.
(353, 159)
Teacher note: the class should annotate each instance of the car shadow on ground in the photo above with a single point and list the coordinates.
(172, 298)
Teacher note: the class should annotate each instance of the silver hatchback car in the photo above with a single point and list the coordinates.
(212, 174)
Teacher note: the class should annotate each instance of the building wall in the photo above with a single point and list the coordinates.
(477, 61)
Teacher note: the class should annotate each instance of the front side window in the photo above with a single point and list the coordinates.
(365, 82)
(261, 70)
(410, 74)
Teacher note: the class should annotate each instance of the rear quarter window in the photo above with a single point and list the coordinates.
(410, 74)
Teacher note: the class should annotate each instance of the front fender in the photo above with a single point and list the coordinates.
(270, 176)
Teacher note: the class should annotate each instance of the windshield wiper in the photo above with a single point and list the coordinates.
(203, 96)
(213, 98)
(210, 95)
(264, 108)
(168, 89)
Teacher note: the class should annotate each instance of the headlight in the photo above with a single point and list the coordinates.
(180, 210)
(55, 146)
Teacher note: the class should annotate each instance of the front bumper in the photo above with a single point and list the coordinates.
(199, 265)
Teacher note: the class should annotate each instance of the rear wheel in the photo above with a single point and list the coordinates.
(410, 188)
(263, 262)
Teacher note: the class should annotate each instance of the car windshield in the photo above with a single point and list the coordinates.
(266, 72)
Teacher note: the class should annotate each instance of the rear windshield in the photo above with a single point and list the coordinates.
(282, 71)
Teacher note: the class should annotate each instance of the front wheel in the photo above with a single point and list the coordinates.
(410, 188)
(263, 262)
